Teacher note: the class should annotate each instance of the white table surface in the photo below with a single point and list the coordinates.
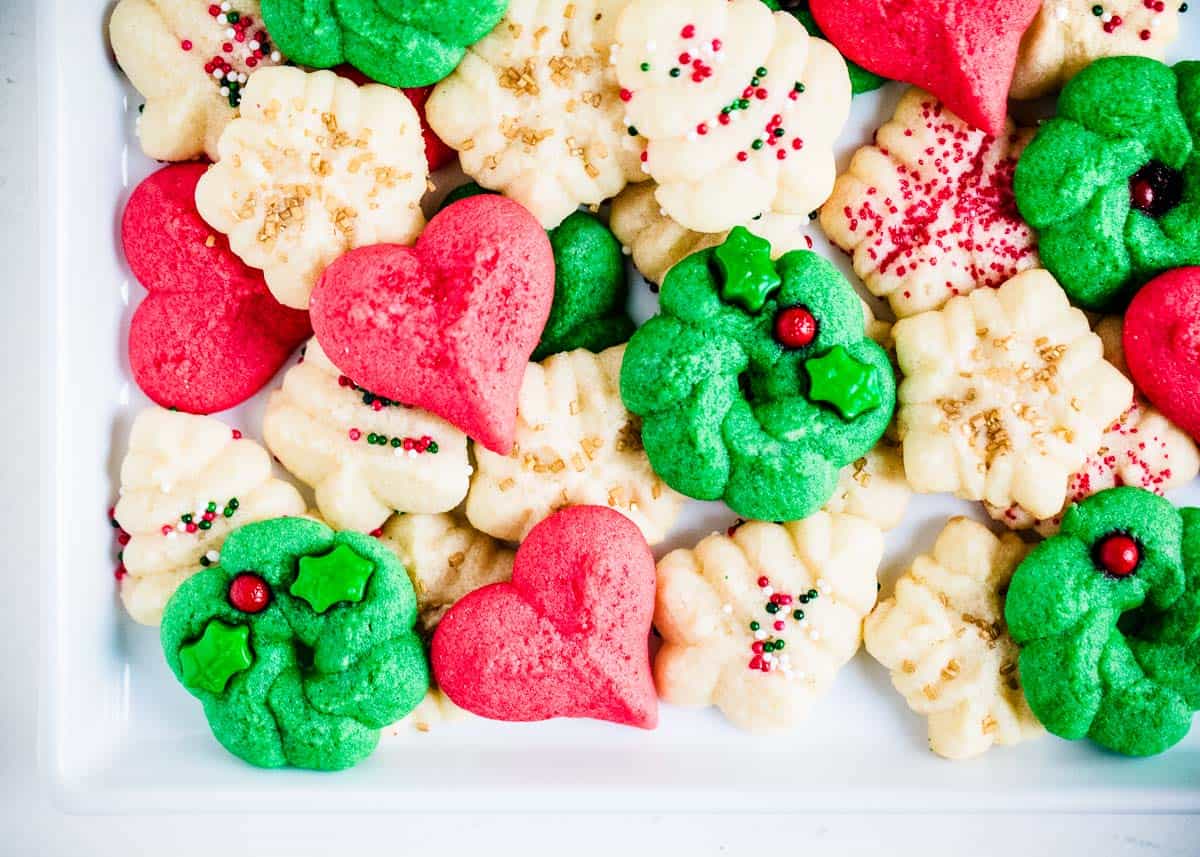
(30, 825)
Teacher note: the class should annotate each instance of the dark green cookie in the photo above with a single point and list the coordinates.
(1107, 614)
(755, 383)
(1112, 184)
(299, 644)
(397, 42)
(590, 284)
(861, 80)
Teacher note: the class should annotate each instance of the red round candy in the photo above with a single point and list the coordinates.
(795, 327)
(1119, 555)
(249, 593)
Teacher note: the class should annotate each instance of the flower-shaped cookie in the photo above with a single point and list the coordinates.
(1066, 35)
(1112, 184)
(873, 487)
(758, 622)
(1005, 394)
(942, 635)
(534, 109)
(313, 167)
(445, 558)
(1107, 614)
(191, 61)
(657, 243)
(186, 482)
(575, 445)
(408, 43)
(739, 107)
(755, 382)
(365, 456)
(927, 211)
(1141, 448)
(299, 644)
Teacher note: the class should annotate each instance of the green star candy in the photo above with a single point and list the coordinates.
(222, 652)
(340, 575)
(748, 274)
(850, 386)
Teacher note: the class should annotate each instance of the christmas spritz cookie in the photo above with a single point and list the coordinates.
(364, 456)
(758, 622)
(739, 108)
(299, 644)
(1141, 448)
(1066, 35)
(191, 61)
(534, 109)
(873, 487)
(186, 481)
(313, 167)
(1005, 394)
(927, 211)
(575, 444)
(942, 635)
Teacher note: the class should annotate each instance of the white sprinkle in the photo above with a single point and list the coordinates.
(254, 45)
(213, 556)
(165, 486)
(814, 634)
(626, 251)
(225, 7)
(218, 74)
(1154, 22)
(276, 56)
(768, 657)
(222, 19)
(760, 634)
(651, 46)
(397, 452)
(1060, 13)
(768, 591)
(171, 534)
(224, 90)
(412, 453)
(181, 527)
(645, 167)
(470, 470)
(230, 33)
(1106, 17)
(728, 608)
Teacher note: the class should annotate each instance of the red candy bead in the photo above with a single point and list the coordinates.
(626, 95)
(249, 593)
(795, 327)
(763, 581)
(1119, 555)
(186, 44)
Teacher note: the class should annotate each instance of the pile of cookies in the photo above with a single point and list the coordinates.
(479, 448)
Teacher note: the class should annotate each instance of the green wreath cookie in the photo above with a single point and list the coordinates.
(755, 383)
(1108, 618)
(397, 42)
(299, 644)
(861, 80)
(590, 284)
(1112, 184)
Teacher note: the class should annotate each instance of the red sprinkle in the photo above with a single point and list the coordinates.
(237, 434)
(355, 434)
(763, 581)
(688, 31)
(626, 95)
(186, 44)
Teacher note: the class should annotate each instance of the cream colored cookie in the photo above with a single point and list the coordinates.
(575, 444)
(657, 243)
(313, 167)
(320, 426)
(927, 211)
(722, 646)
(942, 634)
(1140, 448)
(1067, 35)
(534, 108)
(169, 50)
(1005, 393)
(434, 711)
(873, 487)
(746, 125)
(186, 482)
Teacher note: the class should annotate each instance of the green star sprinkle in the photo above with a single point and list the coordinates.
(850, 386)
(748, 274)
(340, 575)
(222, 652)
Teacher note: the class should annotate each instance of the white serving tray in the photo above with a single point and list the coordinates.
(119, 734)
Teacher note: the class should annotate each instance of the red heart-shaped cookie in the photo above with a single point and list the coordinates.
(208, 335)
(447, 325)
(962, 51)
(567, 637)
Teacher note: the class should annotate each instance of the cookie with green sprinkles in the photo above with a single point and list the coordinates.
(397, 42)
(1112, 183)
(1107, 615)
(299, 644)
(591, 284)
(755, 383)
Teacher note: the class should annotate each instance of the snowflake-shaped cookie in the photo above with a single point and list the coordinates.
(186, 482)
(191, 61)
(575, 444)
(1067, 35)
(657, 243)
(1140, 448)
(313, 167)
(759, 621)
(534, 109)
(942, 634)
(365, 456)
(738, 105)
(1005, 394)
(927, 211)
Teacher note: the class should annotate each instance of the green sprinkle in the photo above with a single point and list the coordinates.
(798, 615)
(228, 512)
(754, 626)
(772, 607)
(675, 72)
(761, 71)
(633, 132)
(743, 104)
(779, 645)
(396, 442)
(433, 447)
(754, 81)
(187, 519)
(233, 503)
(211, 507)
(799, 87)
(756, 145)
(205, 525)
(645, 66)
(778, 132)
